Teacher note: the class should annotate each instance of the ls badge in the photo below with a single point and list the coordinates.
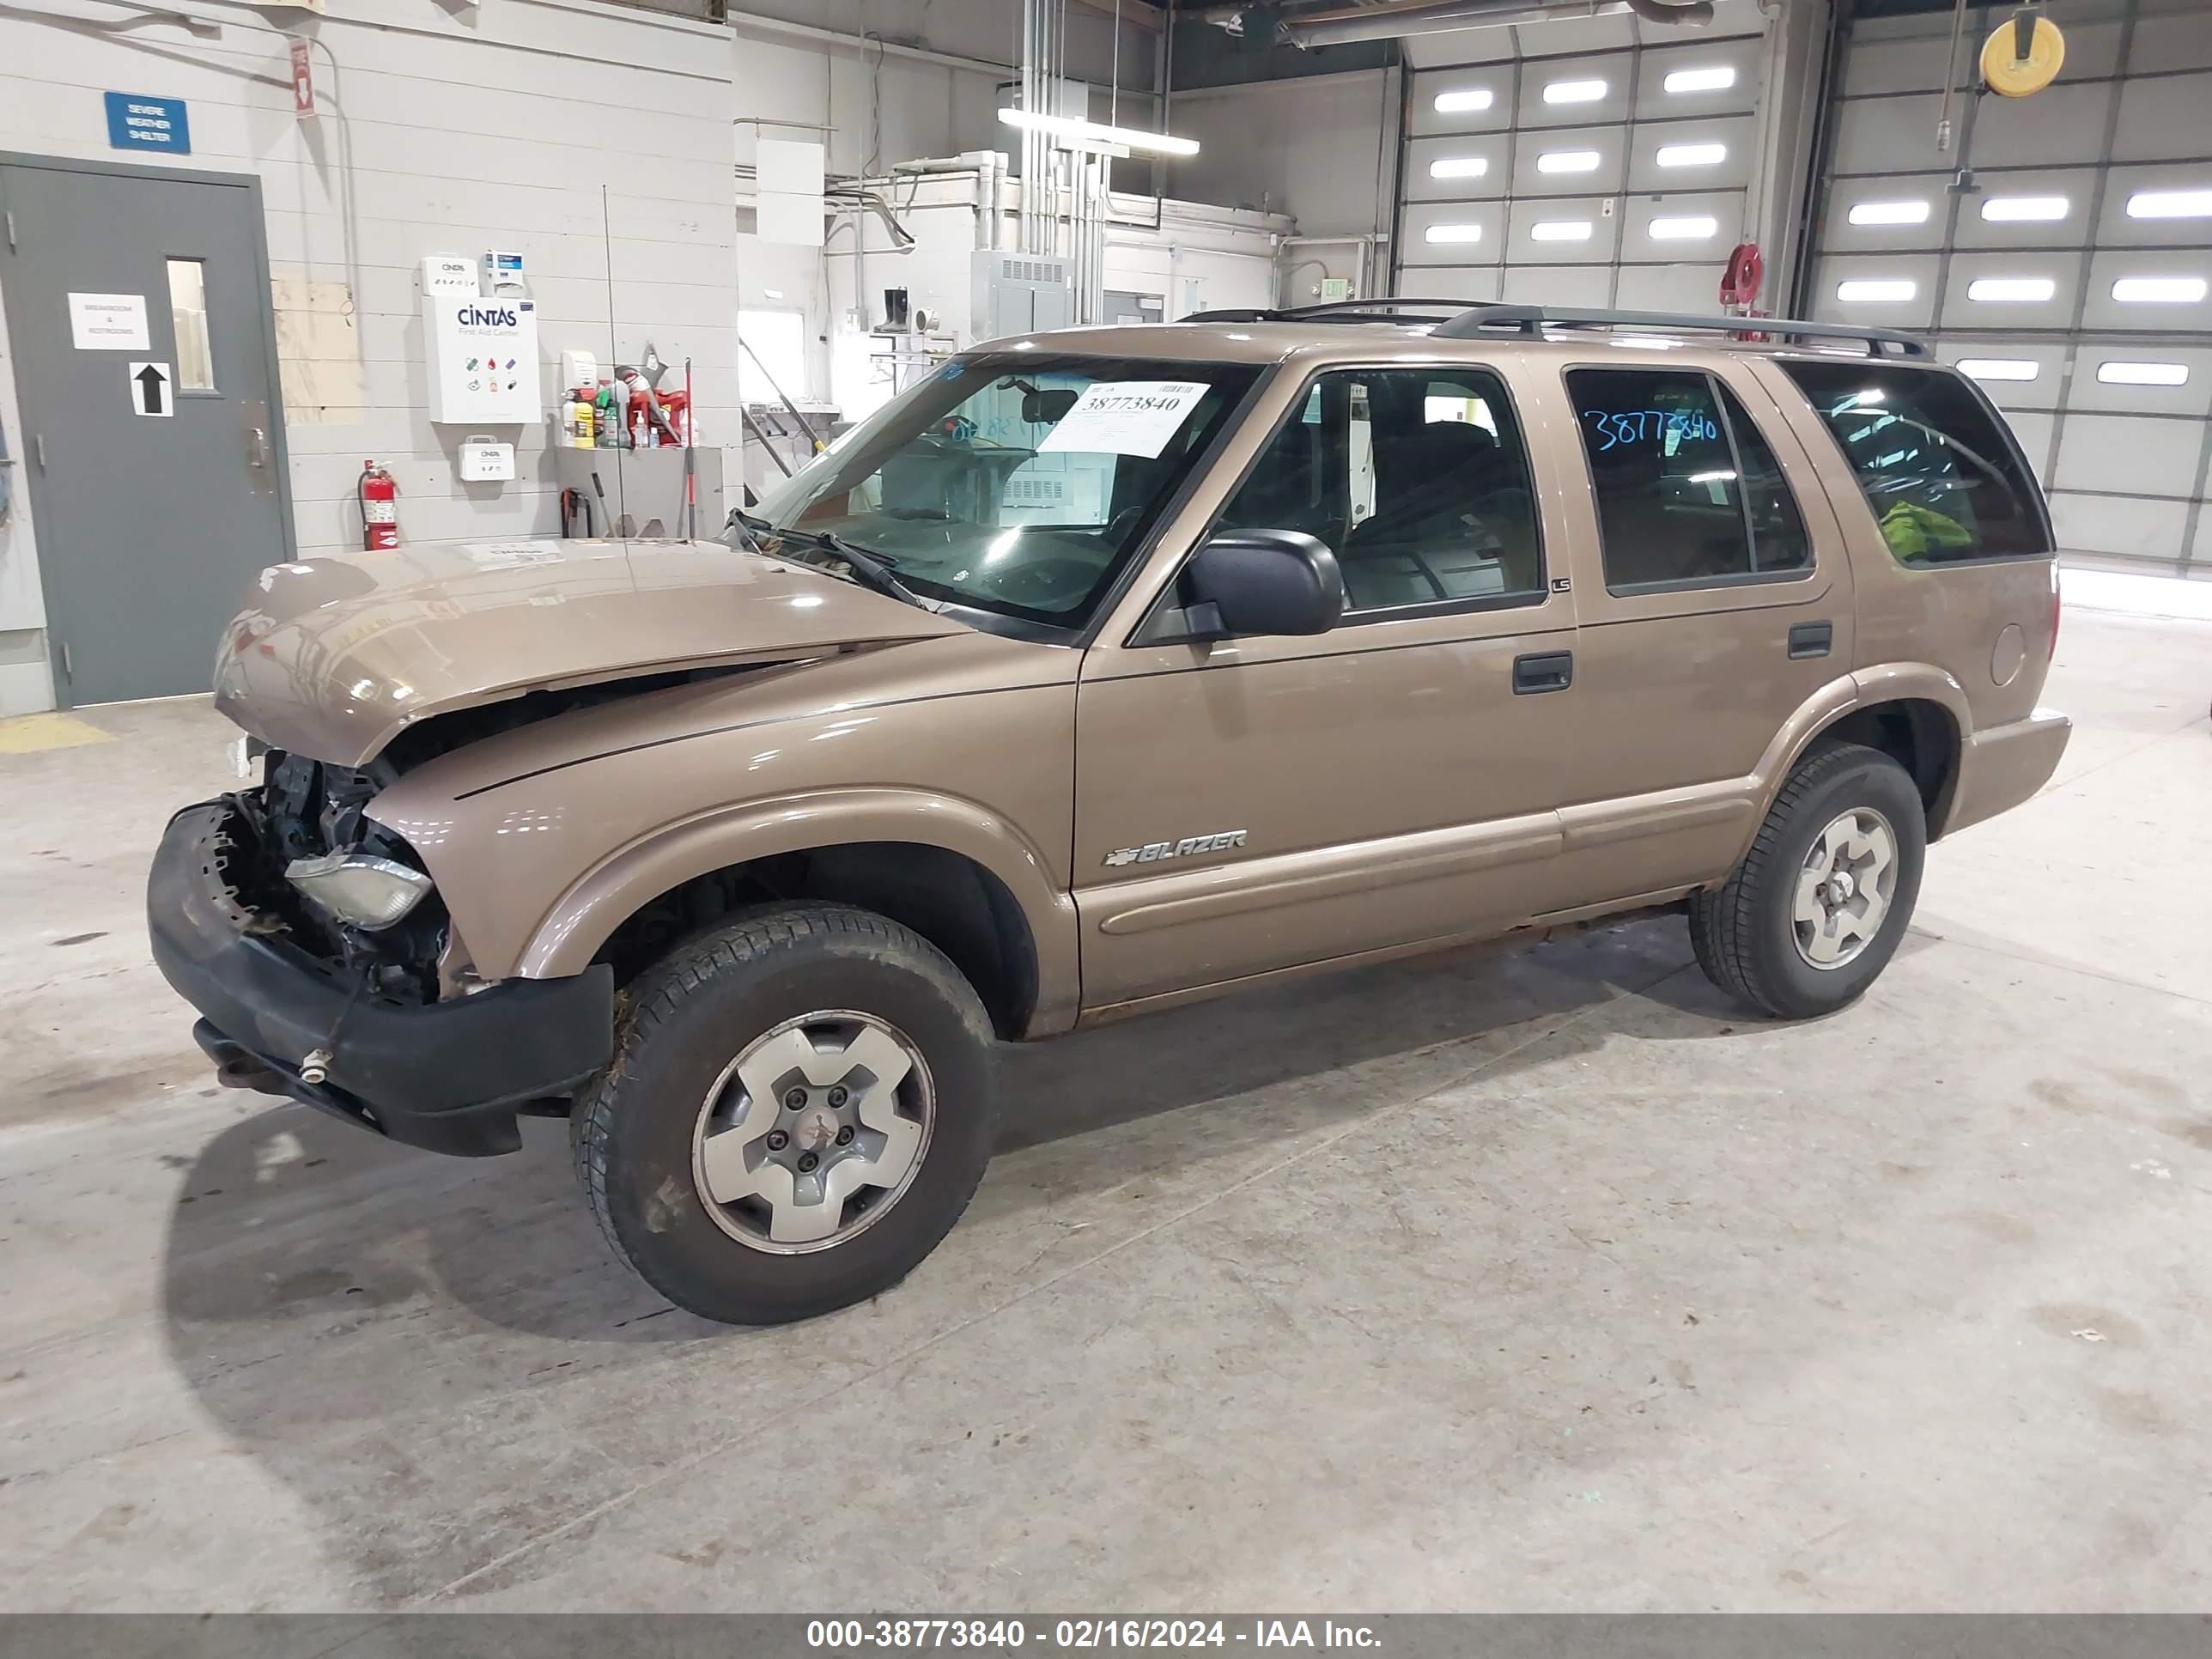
(1154, 852)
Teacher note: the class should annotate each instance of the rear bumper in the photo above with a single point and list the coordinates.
(447, 1076)
(2001, 767)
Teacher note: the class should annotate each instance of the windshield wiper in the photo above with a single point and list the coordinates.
(863, 566)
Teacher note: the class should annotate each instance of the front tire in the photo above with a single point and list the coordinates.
(801, 1105)
(1818, 905)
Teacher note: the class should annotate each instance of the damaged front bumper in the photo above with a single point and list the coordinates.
(449, 1076)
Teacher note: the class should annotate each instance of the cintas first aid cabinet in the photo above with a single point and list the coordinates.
(481, 350)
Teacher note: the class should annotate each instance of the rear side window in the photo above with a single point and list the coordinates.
(1946, 483)
(1688, 491)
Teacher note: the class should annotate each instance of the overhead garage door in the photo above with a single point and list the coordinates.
(1597, 162)
(2069, 270)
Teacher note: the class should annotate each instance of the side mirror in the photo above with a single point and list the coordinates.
(1259, 581)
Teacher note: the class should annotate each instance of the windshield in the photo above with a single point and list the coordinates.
(1014, 483)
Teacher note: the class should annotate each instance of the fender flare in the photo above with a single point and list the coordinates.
(1862, 688)
(567, 935)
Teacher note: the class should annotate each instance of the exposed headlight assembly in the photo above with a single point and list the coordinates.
(361, 891)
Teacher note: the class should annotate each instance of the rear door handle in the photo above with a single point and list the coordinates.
(1545, 671)
(1811, 639)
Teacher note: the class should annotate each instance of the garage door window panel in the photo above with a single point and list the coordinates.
(1418, 478)
(1689, 493)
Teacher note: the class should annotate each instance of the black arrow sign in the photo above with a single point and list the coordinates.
(152, 389)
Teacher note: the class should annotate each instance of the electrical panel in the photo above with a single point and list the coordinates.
(1019, 294)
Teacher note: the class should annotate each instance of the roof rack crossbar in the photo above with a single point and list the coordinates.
(1471, 320)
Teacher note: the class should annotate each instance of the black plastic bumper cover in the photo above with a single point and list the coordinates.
(446, 1076)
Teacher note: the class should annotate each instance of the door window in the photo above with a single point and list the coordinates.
(1418, 480)
(188, 315)
(1688, 491)
(1945, 482)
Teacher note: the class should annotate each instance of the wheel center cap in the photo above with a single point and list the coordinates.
(1841, 887)
(815, 1129)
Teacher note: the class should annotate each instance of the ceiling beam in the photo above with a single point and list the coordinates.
(1139, 12)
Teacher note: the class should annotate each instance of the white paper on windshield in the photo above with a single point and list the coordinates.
(1125, 417)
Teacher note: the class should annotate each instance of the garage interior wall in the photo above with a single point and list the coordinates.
(1553, 162)
(1322, 149)
(878, 83)
(452, 129)
(2070, 272)
(437, 129)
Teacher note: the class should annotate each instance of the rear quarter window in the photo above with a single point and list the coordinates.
(1944, 477)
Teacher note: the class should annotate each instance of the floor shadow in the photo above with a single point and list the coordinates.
(1307, 1028)
(344, 1308)
(290, 1212)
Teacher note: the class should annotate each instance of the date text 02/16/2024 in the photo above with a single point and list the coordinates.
(853, 1635)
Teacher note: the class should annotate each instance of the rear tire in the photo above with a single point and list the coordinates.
(1818, 905)
(810, 1049)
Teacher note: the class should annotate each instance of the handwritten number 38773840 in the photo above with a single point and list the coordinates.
(1635, 426)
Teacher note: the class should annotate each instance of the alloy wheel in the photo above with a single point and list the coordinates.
(813, 1131)
(1845, 888)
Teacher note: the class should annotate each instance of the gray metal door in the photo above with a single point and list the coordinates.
(150, 525)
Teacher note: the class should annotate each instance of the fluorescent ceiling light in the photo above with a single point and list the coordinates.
(2170, 204)
(1568, 161)
(1463, 99)
(2158, 290)
(1691, 156)
(1877, 290)
(1890, 213)
(1692, 228)
(2000, 368)
(1453, 234)
(2024, 209)
(1090, 132)
(1574, 92)
(2144, 374)
(1459, 166)
(1719, 78)
(2011, 289)
(1560, 230)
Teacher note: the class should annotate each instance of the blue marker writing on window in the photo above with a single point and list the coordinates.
(1673, 427)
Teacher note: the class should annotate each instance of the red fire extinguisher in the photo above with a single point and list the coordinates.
(379, 495)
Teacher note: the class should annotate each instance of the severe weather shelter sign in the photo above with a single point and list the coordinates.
(138, 122)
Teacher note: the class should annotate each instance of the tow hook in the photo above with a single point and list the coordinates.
(241, 1072)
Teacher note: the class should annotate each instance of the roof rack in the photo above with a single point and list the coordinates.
(1378, 310)
(1469, 319)
(1534, 320)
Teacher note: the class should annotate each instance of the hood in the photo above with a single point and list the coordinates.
(334, 656)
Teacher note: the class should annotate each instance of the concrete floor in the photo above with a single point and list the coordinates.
(1538, 1281)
